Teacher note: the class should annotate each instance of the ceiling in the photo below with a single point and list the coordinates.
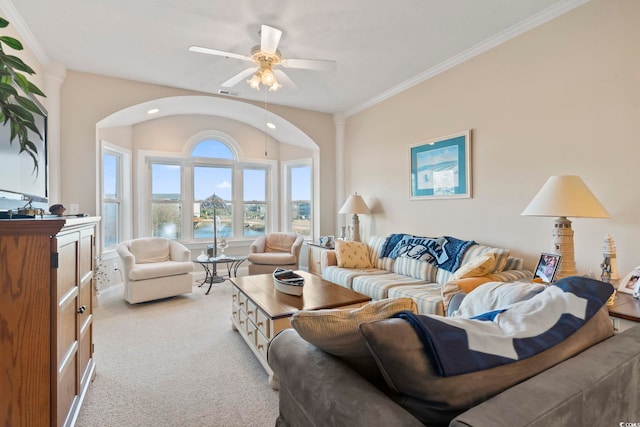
(381, 47)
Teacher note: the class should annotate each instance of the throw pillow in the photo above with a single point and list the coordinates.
(477, 266)
(494, 295)
(352, 254)
(336, 330)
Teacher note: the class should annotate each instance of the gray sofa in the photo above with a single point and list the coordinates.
(597, 387)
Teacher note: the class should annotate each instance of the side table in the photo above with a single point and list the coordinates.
(315, 252)
(211, 269)
(624, 312)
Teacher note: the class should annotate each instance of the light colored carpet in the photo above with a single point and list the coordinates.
(174, 362)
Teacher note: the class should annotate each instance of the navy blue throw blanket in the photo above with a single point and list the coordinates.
(458, 345)
(444, 252)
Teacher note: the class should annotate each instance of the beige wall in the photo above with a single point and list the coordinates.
(561, 99)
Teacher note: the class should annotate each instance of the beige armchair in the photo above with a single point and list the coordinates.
(154, 268)
(274, 250)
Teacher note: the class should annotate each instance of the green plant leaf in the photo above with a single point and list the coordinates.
(17, 64)
(3, 22)
(28, 104)
(11, 42)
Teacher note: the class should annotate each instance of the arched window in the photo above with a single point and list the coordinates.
(213, 149)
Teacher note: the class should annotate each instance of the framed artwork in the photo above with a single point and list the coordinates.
(441, 167)
(547, 267)
(630, 284)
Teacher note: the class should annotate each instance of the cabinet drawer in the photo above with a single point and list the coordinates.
(251, 332)
(263, 323)
(252, 310)
(242, 302)
(235, 312)
(262, 344)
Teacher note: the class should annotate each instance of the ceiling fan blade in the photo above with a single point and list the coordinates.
(269, 39)
(239, 77)
(208, 51)
(310, 64)
(285, 80)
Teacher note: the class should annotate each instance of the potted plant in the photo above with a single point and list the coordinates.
(15, 109)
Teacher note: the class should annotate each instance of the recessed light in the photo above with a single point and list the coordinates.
(153, 111)
(271, 125)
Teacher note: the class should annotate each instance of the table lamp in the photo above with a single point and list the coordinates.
(562, 197)
(355, 205)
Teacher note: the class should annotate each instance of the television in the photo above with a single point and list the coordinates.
(20, 182)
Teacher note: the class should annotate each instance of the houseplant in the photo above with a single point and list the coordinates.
(16, 109)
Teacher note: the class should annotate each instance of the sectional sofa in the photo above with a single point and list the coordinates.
(369, 269)
(386, 374)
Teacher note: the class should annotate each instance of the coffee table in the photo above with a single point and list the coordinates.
(259, 311)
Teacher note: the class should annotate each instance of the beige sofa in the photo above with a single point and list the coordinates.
(429, 286)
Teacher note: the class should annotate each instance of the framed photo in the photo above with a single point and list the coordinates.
(630, 284)
(441, 167)
(547, 267)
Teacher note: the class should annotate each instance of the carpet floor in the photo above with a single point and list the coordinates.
(174, 362)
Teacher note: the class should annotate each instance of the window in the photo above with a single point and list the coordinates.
(210, 182)
(166, 204)
(111, 198)
(255, 202)
(116, 195)
(179, 186)
(299, 198)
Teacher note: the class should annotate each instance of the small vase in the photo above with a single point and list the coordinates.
(202, 256)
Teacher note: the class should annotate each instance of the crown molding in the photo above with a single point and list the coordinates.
(496, 40)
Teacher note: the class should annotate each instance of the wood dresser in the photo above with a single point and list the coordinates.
(259, 311)
(46, 319)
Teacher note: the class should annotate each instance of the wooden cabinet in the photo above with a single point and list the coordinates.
(46, 319)
(315, 254)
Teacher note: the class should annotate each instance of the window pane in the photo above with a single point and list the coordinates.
(111, 223)
(255, 218)
(207, 182)
(254, 185)
(300, 197)
(166, 220)
(110, 176)
(165, 182)
(213, 149)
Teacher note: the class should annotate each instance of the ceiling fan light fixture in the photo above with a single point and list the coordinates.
(254, 82)
(275, 86)
(267, 78)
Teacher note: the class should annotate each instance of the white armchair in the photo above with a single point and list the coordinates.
(274, 250)
(154, 268)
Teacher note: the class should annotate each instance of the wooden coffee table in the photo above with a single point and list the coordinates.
(259, 312)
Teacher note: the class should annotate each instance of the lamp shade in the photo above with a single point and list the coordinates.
(565, 196)
(354, 205)
(213, 202)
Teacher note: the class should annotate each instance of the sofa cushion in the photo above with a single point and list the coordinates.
(150, 249)
(336, 330)
(413, 268)
(428, 297)
(494, 295)
(352, 254)
(272, 258)
(159, 269)
(407, 368)
(378, 286)
(477, 266)
(502, 255)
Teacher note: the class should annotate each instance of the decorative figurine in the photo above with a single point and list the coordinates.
(57, 210)
(609, 254)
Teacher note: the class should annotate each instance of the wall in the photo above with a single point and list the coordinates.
(562, 99)
(88, 98)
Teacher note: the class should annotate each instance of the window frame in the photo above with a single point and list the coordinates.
(124, 176)
(287, 166)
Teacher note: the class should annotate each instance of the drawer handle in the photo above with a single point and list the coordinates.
(249, 333)
(249, 311)
(241, 303)
(260, 346)
(242, 322)
(260, 324)
(82, 309)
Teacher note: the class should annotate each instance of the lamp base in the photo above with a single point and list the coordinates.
(562, 244)
(355, 228)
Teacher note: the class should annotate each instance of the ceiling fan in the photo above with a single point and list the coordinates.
(265, 57)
